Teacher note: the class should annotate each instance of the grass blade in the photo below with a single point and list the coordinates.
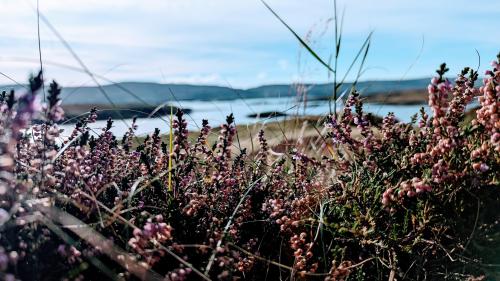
(309, 49)
(170, 145)
(367, 42)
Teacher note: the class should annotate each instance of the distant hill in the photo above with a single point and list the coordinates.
(129, 93)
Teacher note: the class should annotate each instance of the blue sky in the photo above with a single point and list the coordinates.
(239, 43)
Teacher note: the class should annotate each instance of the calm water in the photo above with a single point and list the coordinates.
(216, 112)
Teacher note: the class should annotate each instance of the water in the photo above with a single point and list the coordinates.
(216, 112)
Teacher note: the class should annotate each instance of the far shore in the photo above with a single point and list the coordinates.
(73, 111)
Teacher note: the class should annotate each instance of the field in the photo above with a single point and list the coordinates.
(400, 98)
(339, 197)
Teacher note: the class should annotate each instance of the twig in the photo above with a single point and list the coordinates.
(475, 221)
(203, 276)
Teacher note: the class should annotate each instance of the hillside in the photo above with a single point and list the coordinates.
(128, 93)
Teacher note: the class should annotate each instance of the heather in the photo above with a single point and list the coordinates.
(369, 201)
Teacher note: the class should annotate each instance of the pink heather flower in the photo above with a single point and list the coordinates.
(137, 232)
(13, 257)
(61, 249)
(431, 89)
(387, 197)
(422, 187)
(4, 261)
(56, 113)
(495, 138)
(74, 251)
(4, 216)
(410, 194)
(483, 167)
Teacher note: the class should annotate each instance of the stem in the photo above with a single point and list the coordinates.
(170, 142)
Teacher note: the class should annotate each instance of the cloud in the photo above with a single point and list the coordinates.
(236, 39)
(283, 64)
(262, 75)
(206, 79)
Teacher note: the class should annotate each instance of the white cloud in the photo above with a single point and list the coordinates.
(235, 39)
(207, 79)
(262, 75)
(283, 64)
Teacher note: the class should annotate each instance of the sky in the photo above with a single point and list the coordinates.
(239, 43)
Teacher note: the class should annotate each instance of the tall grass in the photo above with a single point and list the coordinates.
(363, 50)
